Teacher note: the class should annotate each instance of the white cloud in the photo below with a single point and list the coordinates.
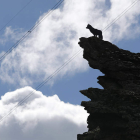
(12, 35)
(56, 39)
(127, 25)
(40, 117)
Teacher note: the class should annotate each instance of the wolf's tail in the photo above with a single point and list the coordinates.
(101, 36)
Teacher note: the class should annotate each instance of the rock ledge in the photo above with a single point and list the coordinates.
(115, 110)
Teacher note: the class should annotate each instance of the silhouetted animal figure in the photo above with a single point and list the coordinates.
(94, 31)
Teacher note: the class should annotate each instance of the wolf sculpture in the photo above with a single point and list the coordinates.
(94, 31)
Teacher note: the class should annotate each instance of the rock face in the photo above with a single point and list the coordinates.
(115, 110)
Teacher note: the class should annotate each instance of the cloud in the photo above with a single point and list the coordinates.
(40, 117)
(55, 40)
(11, 35)
(127, 26)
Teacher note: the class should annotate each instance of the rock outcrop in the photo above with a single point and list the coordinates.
(115, 110)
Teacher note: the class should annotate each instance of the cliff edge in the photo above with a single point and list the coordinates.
(115, 110)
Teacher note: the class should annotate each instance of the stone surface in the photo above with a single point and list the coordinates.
(115, 110)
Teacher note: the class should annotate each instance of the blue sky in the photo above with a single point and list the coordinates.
(52, 43)
(67, 88)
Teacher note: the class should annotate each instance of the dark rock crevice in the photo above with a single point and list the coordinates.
(115, 110)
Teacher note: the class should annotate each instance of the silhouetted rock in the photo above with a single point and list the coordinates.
(115, 110)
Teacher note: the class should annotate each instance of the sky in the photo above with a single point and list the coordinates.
(53, 111)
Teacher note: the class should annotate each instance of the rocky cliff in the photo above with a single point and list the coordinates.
(115, 110)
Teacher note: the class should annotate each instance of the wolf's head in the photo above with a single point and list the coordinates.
(88, 26)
